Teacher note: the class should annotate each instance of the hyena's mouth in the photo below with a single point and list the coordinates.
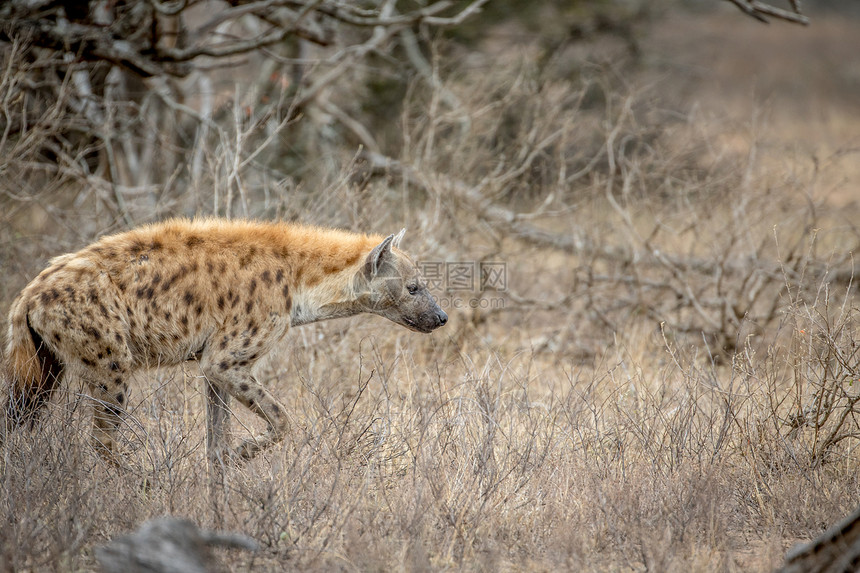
(426, 324)
(422, 328)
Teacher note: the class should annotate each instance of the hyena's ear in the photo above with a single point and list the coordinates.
(377, 256)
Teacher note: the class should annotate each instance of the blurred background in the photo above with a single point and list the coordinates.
(640, 216)
(640, 147)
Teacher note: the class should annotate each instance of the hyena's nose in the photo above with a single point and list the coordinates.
(441, 317)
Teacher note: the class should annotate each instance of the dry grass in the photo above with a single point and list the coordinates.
(625, 410)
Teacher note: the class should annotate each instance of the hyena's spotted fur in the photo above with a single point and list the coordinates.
(219, 291)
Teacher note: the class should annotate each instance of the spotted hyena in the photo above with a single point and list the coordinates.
(221, 292)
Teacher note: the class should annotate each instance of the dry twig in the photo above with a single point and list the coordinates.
(761, 10)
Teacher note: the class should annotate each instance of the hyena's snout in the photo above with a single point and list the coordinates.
(440, 317)
(429, 318)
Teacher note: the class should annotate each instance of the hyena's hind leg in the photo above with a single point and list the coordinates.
(110, 396)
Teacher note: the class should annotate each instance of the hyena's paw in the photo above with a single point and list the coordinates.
(250, 447)
(107, 453)
(227, 457)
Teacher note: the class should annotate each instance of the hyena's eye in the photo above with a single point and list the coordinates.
(412, 289)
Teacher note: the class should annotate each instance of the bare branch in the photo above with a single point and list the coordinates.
(167, 9)
(86, 42)
(339, 12)
(759, 11)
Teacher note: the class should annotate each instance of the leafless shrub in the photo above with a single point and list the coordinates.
(819, 408)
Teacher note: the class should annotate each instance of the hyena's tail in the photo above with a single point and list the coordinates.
(32, 370)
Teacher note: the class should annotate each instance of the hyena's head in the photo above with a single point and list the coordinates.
(390, 285)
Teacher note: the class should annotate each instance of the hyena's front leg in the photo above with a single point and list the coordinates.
(217, 420)
(236, 379)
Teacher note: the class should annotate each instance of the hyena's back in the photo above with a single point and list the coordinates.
(156, 296)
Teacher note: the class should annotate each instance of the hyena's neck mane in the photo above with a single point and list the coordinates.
(325, 263)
